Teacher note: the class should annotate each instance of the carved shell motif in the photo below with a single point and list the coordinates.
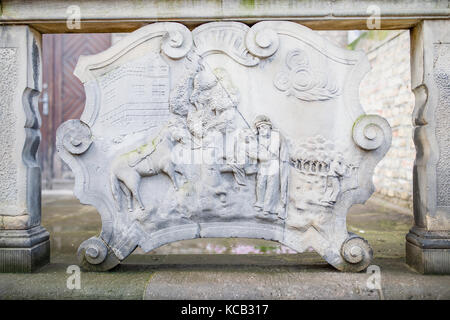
(300, 80)
(224, 37)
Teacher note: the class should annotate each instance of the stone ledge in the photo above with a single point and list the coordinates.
(186, 276)
(126, 16)
(14, 10)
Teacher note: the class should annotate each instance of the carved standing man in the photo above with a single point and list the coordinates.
(273, 170)
(334, 176)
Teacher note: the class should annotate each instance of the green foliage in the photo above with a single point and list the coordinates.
(248, 4)
(266, 249)
(371, 35)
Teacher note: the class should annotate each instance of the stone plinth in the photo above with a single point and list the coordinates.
(428, 242)
(24, 243)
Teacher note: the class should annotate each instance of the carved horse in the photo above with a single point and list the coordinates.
(147, 160)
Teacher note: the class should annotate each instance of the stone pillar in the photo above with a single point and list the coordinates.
(428, 242)
(24, 244)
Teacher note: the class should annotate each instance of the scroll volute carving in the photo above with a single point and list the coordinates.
(370, 132)
(75, 136)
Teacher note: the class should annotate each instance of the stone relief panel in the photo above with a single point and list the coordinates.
(188, 135)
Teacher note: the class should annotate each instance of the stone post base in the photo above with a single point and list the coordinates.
(428, 252)
(24, 250)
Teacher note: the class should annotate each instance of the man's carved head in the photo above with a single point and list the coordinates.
(263, 125)
(262, 120)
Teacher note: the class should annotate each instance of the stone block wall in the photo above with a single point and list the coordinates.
(386, 90)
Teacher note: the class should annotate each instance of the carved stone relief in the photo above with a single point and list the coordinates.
(299, 79)
(189, 135)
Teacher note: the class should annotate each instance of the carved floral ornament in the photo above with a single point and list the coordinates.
(175, 143)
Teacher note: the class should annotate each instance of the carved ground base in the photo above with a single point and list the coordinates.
(353, 255)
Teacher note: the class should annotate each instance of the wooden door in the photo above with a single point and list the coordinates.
(65, 95)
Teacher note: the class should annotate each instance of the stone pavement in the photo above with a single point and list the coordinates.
(214, 269)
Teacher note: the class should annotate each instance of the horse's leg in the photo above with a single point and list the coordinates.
(133, 184)
(169, 169)
(128, 195)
